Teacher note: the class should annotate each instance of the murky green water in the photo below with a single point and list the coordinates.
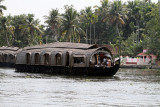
(129, 87)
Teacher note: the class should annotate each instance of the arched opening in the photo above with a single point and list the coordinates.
(101, 59)
(46, 59)
(67, 58)
(28, 58)
(11, 58)
(0, 57)
(58, 59)
(37, 58)
(5, 57)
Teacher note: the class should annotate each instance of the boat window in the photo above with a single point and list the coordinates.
(5, 58)
(28, 58)
(46, 59)
(58, 59)
(11, 58)
(67, 59)
(79, 60)
(0, 58)
(37, 58)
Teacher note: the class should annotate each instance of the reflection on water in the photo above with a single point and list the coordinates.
(129, 87)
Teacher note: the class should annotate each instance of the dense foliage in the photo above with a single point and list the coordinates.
(133, 26)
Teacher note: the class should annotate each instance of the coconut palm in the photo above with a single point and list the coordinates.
(7, 29)
(136, 14)
(2, 7)
(116, 19)
(88, 18)
(104, 9)
(54, 21)
(114, 16)
(21, 37)
(71, 29)
(159, 7)
(33, 27)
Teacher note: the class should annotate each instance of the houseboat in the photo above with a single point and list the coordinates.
(68, 59)
(7, 56)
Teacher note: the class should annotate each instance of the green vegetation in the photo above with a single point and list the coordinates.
(130, 27)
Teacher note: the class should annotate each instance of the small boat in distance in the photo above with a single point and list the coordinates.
(67, 59)
(8, 56)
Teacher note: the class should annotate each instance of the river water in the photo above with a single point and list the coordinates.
(128, 88)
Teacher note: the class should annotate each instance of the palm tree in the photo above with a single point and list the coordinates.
(71, 29)
(103, 16)
(159, 7)
(88, 17)
(136, 14)
(20, 37)
(54, 21)
(7, 29)
(32, 26)
(114, 16)
(2, 7)
(95, 20)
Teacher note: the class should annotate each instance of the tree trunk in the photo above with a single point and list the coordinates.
(119, 40)
(58, 34)
(86, 36)
(90, 33)
(159, 7)
(137, 32)
(94, 33)
(13, 39)
(7, 40)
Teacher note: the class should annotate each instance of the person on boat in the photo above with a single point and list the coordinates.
(109, 62)
(105, 62)
(98, 61)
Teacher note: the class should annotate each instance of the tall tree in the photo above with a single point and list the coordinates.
(159, 7)
(32, 26)
(2, 7)
(153, 32)
(7, 29)
(87, 17)
(54, 21)
(115, 17)
(71, 29)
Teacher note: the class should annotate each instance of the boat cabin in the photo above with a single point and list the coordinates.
(8, 56)
(65, 54)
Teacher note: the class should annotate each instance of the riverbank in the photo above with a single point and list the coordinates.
(141, 66)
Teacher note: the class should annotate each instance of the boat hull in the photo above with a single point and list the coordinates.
(60, 70)
(7, 65)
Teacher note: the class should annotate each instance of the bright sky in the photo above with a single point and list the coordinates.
(41, 8)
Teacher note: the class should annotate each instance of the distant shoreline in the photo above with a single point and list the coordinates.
(141, 66)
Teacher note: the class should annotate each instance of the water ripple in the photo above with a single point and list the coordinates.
(128, 88)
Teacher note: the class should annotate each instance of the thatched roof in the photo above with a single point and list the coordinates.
(63, 45)
(113, 51)
(9, 48)
(56, 50)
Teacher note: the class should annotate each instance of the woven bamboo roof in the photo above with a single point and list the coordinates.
(63, 45)
(9, 48)
(48, 50)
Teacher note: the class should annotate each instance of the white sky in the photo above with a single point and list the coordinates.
(41, 8)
